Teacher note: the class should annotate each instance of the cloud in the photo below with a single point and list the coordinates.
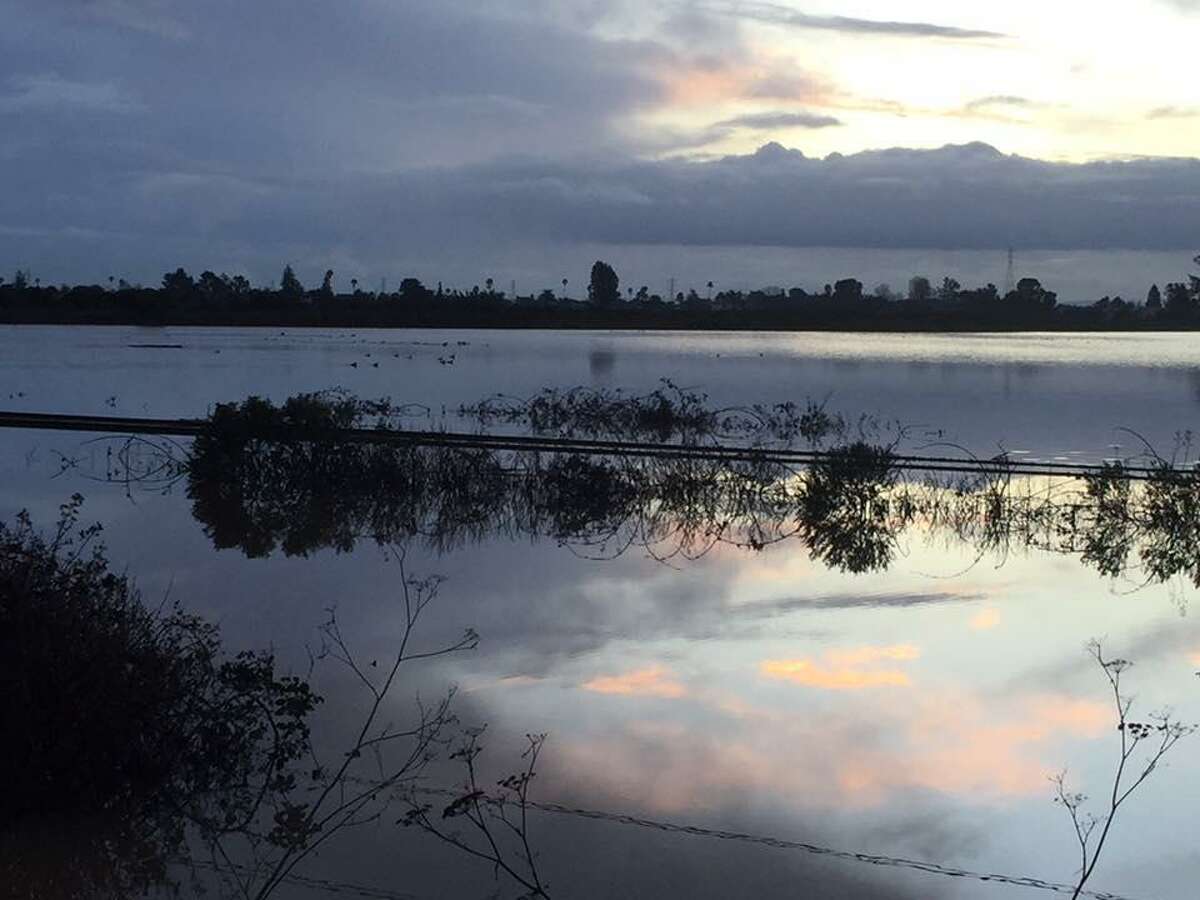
(49, 92)
(1002, 100)
(651, 682)
(843, 670)
(985, 620)
(887, 600)
(1173, 112)
(776, 14)
(775, 197)
(151, 16)
(780, 120)
(947, 742)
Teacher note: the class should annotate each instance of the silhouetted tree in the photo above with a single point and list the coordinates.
(1154, 299)
(412, 290)
(919, 288)
(178, 283)
(1032, 295)
(212, 285)
(327, 284)
(848, 290)
(949, 290)
(289, 284)
(1181, 302)
(604, 287)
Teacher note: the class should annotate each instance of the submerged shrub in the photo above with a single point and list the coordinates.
(122, 724)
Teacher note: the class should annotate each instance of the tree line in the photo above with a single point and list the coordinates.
(213, 298)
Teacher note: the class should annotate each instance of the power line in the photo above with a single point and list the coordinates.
(537, 443)
(873, 859)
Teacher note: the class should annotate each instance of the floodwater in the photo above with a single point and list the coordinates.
(906, 705)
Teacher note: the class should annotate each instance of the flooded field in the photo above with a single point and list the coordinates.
(837, 648)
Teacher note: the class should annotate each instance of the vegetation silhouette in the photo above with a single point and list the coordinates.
(264, 478)
(128, 724)
(1143, 744)
(213, 298)
(137, 747)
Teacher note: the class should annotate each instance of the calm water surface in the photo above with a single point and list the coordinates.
(915, 712)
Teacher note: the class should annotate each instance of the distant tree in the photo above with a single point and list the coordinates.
(327, 284)
(1031, 295)
(289, 284)
(884, 292)
(212, 285)
(848, 290)
(491, 286)
(1154, 298)
(1180, 301)
(411, 289)
(988, 294)
(604, 288)
(919, 288)
(239, 285)
(20, 279)
(564, 288)
(949, 290)
(178, 283)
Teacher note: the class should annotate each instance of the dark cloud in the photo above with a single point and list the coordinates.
(869, 601)
(956, 197)
(1002, 100)
(779, 120)
(776, 14)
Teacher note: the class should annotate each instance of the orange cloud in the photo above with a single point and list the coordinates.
(652, 682)
(862, 656)
(707, 82)
(841, 670)
(948, 742)
(986, 620)
(801, 671)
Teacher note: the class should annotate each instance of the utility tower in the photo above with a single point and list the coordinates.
(1010, 277)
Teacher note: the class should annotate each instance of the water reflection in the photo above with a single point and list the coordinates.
(885, 727)
(263, 479)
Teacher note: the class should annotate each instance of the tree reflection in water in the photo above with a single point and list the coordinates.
(264, 478)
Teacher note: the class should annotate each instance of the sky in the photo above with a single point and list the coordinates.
(460, 140)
